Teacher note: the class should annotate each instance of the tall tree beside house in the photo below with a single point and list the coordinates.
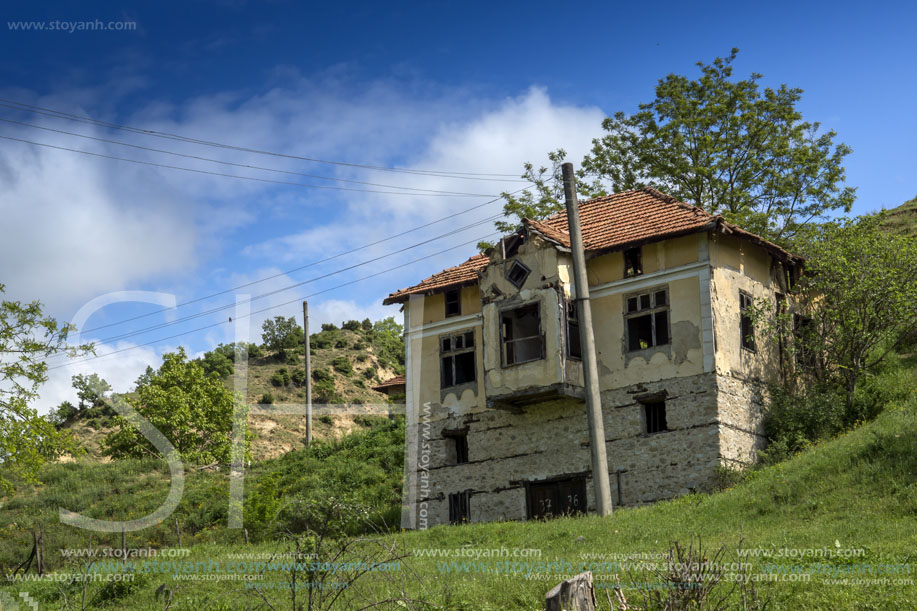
(724, 145)
(27, 440)
(855, 305)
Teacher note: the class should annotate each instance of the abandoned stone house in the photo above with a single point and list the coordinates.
(497, 428)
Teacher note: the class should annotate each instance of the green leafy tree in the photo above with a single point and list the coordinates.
(722, 144)
(281, 333)
(855, 305)
(192, 409)
(28, 440)
(91, 390)
(217, 363)
(388, 344)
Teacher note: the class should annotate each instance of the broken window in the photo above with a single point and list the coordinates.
(453, 303)
(654, 417)
(633, 262)
(459, 507)
(746, 326)
(458, 365)
(573, 339)
(458, 447)
(803, 330)
(522, 337)
(517, 274)
(647, 319)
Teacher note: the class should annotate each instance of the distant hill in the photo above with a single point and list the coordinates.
(903, 219)
(346, 364)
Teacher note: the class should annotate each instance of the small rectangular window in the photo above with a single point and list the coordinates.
(459, 443)
(457, 359)
(647, 320)
(654, 417)
(523, 340)
(459, 507)
(746, 326)
(574, 349)
(633, 262)
(453, 303)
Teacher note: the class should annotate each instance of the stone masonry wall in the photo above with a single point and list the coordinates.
(551, 439)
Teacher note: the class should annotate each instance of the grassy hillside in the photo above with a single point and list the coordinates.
(839, 522)
(903, 219)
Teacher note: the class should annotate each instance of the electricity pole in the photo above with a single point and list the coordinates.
(587, 341)
(305, 327)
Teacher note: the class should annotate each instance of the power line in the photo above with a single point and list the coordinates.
(250, 314)
(21, 106)
(293, 286)
(267, 180)
(300, 268)
(420, 191)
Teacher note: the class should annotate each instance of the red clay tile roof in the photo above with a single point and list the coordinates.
(466, 273)
(612, 222)
(396, 381)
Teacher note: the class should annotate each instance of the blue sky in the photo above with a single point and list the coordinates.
(455, 86)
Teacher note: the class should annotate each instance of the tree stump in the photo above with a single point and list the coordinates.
(574, 594)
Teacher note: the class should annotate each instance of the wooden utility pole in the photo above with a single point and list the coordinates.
(587, 341)
(305, 327)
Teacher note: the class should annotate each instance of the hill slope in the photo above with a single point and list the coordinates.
(903, 219)
(833, 528)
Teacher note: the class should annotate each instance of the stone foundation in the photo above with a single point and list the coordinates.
(708, 420)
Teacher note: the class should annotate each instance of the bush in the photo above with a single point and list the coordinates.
(329, 326)
(361, 358)
(367, 324)
(342, 364)
(281, 377)
(299, 377)
(324, 391)
(320, 341)
(370, 373)
(359, 346)
(292, 358)
(267, 398)
(320, 375)
(326, 419)
(351, 325)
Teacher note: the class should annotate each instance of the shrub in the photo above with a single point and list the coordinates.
(267, 398)
(320, 375)
(319, 341)
(361, 358)
(326, 419)
(299, 377)
(324, 391)
(342, 364)
(329, 326)
(292, 358)
(370, 373)
(351, 325)
(359, 346)
(367, 324)
(281, 377)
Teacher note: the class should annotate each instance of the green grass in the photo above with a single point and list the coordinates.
(903, 219)
(857, 491)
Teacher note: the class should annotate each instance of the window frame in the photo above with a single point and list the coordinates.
(571, 322)
(637, 252)
(459, 443)
(453, 352)
(746, 340)
(460, 507)
(525, 273)
(457, 303)
(660, 405)
(652, 310)
(503, 341)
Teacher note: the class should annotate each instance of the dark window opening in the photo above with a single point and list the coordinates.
(459, 448)
(654, 417)
(574, 349)
(633, 262)
(459, 507)
(453, 303)
(647, 318)
(522, 337)
(517, 274)
(746, 326)
(457, 362)
(557, 498)
(802, 331)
